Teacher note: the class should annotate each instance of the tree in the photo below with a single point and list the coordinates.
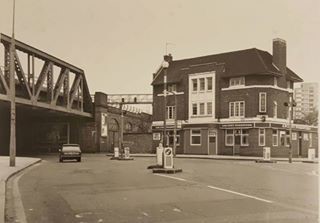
(311, 118)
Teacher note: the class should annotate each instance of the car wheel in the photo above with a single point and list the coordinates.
(79, 159)
(60, 160)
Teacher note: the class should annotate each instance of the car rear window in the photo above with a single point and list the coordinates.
(70, 149)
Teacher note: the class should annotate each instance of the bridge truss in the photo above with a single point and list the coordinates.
(65, 91)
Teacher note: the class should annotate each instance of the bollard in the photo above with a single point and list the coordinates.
(116, 152)
(159, 156)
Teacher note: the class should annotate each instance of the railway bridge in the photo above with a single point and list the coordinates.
(52, 99)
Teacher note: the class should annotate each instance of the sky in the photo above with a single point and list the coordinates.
(120, 43)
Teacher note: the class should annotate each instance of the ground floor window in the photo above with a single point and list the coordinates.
(275, 137)
(171, 138)
(244, 137)
(196, 137)
(237, 136)
(282, 138)
(262, 137)
(229, 137)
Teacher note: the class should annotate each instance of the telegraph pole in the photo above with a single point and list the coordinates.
(121, 132)
(291, 104)
(12, 95)
(165, 66)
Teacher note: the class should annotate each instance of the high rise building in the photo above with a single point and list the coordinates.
(306, 97)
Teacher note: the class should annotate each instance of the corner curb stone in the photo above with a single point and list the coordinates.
(3, 183)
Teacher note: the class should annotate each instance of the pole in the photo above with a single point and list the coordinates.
(165, 108)
(290, 127)
(12, 96)
(175, 124)
(121, 132)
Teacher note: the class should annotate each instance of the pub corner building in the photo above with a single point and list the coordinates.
(232, 103)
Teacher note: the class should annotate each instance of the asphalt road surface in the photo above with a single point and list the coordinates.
(103, 190)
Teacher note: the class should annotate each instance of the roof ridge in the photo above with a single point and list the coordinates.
(261, 59)
(218, 54)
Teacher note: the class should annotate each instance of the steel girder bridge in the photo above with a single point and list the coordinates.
(66, 91)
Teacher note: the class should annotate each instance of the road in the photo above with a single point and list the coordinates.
(103, 190)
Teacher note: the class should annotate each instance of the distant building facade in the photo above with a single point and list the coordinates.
(103, 134)
(230, 104)
(306, 98)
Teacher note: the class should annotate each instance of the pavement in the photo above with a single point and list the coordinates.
(6, 172)
(220, 157)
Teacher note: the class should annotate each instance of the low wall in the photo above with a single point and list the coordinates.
(141, 142)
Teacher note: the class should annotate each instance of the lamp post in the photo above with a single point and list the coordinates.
(290, 106)
(12, 95)
(165, 66)
(121, 131)
(175, 122)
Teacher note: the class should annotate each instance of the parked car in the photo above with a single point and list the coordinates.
(69, 152)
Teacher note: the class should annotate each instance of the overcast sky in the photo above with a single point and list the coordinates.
(120, 43)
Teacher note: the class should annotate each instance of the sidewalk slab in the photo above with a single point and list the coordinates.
(6, 171)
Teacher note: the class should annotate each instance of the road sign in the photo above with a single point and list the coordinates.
(168, 158)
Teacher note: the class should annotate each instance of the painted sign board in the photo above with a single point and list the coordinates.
(104, 125)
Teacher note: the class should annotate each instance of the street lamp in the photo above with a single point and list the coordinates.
(12, 96)
(165, 66)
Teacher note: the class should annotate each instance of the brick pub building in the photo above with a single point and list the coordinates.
(230, 104)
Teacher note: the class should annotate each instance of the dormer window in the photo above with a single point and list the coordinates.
(237, 81)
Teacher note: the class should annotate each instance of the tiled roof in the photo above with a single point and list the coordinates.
(237, 63)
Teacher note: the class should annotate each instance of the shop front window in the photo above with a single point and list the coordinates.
(244, 137)
(171, 138)
(229, 137)
(275, 137)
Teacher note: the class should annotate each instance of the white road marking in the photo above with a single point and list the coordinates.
(175, 178)
(145, 214)
(218, 188)
(176, 210)
(241, 194)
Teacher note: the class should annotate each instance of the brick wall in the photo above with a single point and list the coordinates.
(194, 149)
(141, 142)
(251, 98)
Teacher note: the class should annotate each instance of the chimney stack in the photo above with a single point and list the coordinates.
(279, 57)
(168, 58)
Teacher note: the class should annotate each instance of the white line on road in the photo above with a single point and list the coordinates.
(176, 178)
(241, 194)
(218, 188)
